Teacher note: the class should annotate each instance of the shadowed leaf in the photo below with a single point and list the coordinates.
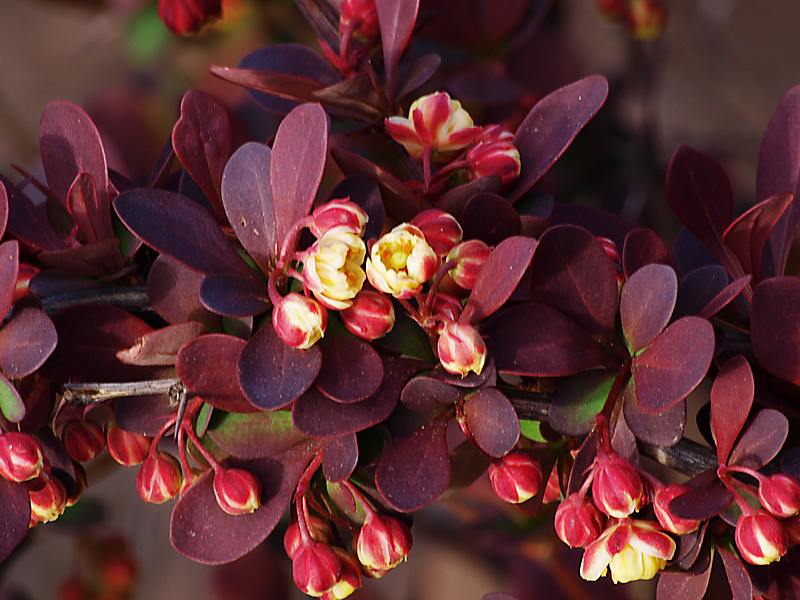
(161, 346)
(492, 421)
(577, 400)
(504, 223)
(26, 341)
(339, 457)
(143, 414)
(646, 303)
(396, 19)
(774, 314)
(427, 394)
(702, 503)
(642, 247)
(731, 401)
(9, 269)
(174, 293)
(698, 288)
(738, 578)
(256, 435)
(727, 295)
(234, 296)
(664, 429)
(15, 515)
(28, 222)
(351, 368)
(761, 440)
(686, 585)
(364, 191)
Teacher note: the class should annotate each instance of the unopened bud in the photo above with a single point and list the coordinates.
(440, 228)
(780, 495)
(663, 496)
(349, 580)
(316, 568)
(21, 457)
(48, 498)
(617, 487)
(80, 483)
(577, 522)
(83, 440)
(318, 529)
(238, 492)
(760, 538)
(188, 16)
(338, 213)
(383, 543)
(359, 15)
(516, 478)
(126, 447)
(446, 307)
(495, 155)
(461, 349)
(299, 321)
(470, 256)
(159, 478)
(371, 316)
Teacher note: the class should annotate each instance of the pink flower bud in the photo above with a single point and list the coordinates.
(383, 542)
(578, 523)
(760, 538)
(48, 498)
(316, 568)
(319, 529)
(471, 256)
(617, 487)
(83, 440)
(461, 349)
(126, 447)
(188, 16)
(663, 496)
(780, 495)
(516, 478)
(371, 316)
(299, 321)
(238, 492)
(446, 307)
(440, 228)
(21, 457)
(361, 16)
(349, 580)
(159, 478)
(494, 155)
(552, 490)
(338, 213)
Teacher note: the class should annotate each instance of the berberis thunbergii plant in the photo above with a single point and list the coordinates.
(378, 306)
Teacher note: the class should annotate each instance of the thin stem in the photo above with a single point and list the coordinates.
(426, 166)
(360, 497)
(443, 269)
(161, 433)
(187, 427)
(305, 479)
(133, 298)
(94, 393)
(290, 241)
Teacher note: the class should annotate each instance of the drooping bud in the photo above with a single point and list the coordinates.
(646, 19)
(126, 447)
(316, 568)
(319, 530)
(371, 316)
(760, 538)
(663, 496)
(516, 478)
(349, 580)
(21, 457)
(470, 256)
(188, 16)
(359, 15)
(159, 478)
(48, 498)
(461, 349)
(577, 522)
(401, 261)
(332, 268)
(383, 542)
(440, 228)
(446, 307)
(238, 491)
(83, 440)
(780, 495)
(299, 321)
(617, 487)
(494, 155)
(338, 213)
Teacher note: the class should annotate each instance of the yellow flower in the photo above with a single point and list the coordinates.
(332, 268)
(401, 261)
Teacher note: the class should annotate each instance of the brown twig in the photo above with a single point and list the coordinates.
(94, 393)
(133, 298)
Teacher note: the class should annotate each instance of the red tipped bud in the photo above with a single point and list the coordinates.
(780, 495)
(349, 580)
(159, 478)
(516, 478)
(299, 321)
(578, 523)
(646, 19)
(470, 256)
(446, 307)
(494, 155)
(238, 492)
(338, 213)
(316, 568)
(461, 349)
(617, 487)
(21, 457)
(48, 498)
(359, 15)
(383, 543)
(552, 490)
(663, 496)
(188, 16)
(371, 316)
(760, 538)
(126, 447)
(83, 440)
(440, 228)
(319, 529)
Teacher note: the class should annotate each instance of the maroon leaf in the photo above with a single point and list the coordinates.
(9, 268)
(571, 272)
(160, 347)
(578, 400)
(492, 421)
(26, 341)
(731, 401)
(699, 288)
(339, 457)
(95, 259)
(298, 160)
(673, 365)
(583, 461)
(256, 435)
(703, 502)
(686, 585)
(642, 247)
(416, 470)
(552, 124)
(427, 394)
(488, 376)
(90, 211)
(272, 374)
(351, 369)
(455, 199)
(504, 223)
(419, 73)
(143, 414)
(364, 191)
(646, 303)
(665, 429)
(3, 209)
(15, 516)
(538, 341)
(396, 19)
(774, 314)
(498, 278)
(724, 297)
(174, 293)
(738, 578)
(762, 440)
(269, 84)
(234, 296)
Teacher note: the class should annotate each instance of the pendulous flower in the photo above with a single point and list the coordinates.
(461, 349)
(316, 568)
(332, 268)
(126, 447)
(401, 261)
(494, 155)
(319, 530)
(516, 478)
(238, 492)
(761, 538)
(21, 456)
(371, 316)
(349, 579)
(48, 498)
(617, 487)
(159, 478)
(383, 542)
(83, 440)
(470, 256)
(299, 321)
(577, 522)
(780, 495)
(440, 228)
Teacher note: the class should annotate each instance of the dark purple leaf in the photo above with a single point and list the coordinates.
(26, 341)
(256, 435)
(673, 365)
(492, 421)
(415, 471)
(498, 278)
(455, 199)
(738, 578)
(174, 293)
(396, 19)
(689, 547)
(364, 191)
(28, 222)
(426, 394)
(160, 347)
(724, 297)
(422, 69)
(234, 296)
(9, 269)
(62, 466)
(504, 223)
(552, 124)
(597, 220)
(351, 368)
(143, 414)
(12, 408)
(774, 314)
(686, 585)
(577, 401)
(339, 457)
(538, 341)
(583, 462)
(731, 401)
(665, 429)
(642, 247)
(90, 211)
(703, 502)
(699, 288)
(761, 440)
(352, 98)
(571, 272)
(15, 516)
(488, 376)
(790, 462)
(623, 441)
(95, 259)
(646, 303)
(271, 374)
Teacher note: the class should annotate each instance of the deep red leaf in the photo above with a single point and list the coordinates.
(95, 259)
(689, 547)
(90, 211)
(487, 377)
(270, 84)
(160, 347)
(761, 440)
(234, 296)
(353, 97)
(492, 421)
(455, 199)
(61, 464)
(143, 414)
(774, 315)
(686, 585)
(174, 293)
(351, 368)
(583, 461)
(426, 394)
(738, 578)
(699, 288)
(727, 295)
(646, 304)
(26, 341)
(504, 223)
(256, 435)
(665, 429)
(9, 269)
(419, 73)
(364, 191)
(28, 222)
(731, 401)
(642, 247)
(396, 19)
(597, 220)
(15, 516)
(673, 365)
(702, 502)
(339, 457)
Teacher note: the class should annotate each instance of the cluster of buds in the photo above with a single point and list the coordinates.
(644, 19)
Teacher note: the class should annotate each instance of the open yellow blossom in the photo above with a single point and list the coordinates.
(332, 268)
(401, 261)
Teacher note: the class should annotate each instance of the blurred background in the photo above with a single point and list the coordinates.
(711, 80)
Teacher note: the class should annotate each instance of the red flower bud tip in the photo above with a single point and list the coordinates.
(159, 478)
(74, 588)
(83, 440)
(238, 492)
(188, 16)
(338, 213)
(299, 321)
(516, 478)
(780, 495)
(663, 496)
(440, 228)
(48, 498)
(461, 349)
(349, 580)
(446, 307)
(610, 248)
(470, 256)
(646, 19)
(761, 538)
(494, 155)
(361, 15)
(371, 316)
(316, 568)
(578, 523)
(383, 543)
(617, 487)
(21, 457)
(552, 490)
(319, 529)
(126, 447)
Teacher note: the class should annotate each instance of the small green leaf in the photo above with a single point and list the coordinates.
(255, 435)
(407, 339)
(577, 401)
(203, 419)
(532, 430)
(11, 404)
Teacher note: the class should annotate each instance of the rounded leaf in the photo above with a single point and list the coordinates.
(351, 368)
(492, 421)
(774, 314)
(26, 341)
(339, 457)
(15, 515)
(646, 303)
(578, 400)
